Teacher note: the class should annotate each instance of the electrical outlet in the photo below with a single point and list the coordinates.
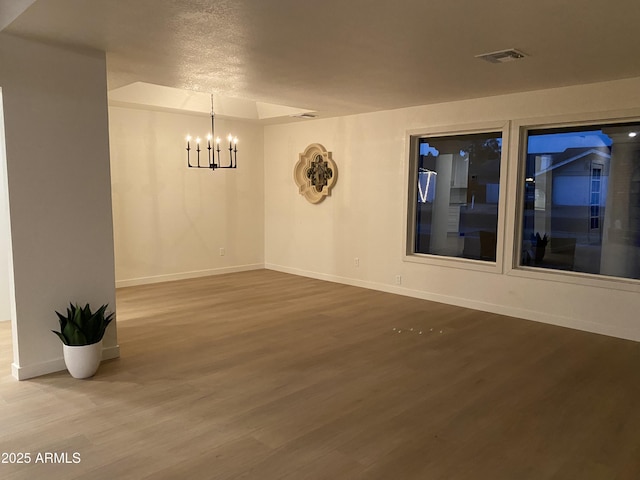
(356, 262)
(222, 252)
(398, 279)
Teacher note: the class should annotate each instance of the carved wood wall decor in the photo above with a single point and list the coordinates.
(315, 173)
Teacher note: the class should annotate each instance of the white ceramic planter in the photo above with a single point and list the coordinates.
(83, 361)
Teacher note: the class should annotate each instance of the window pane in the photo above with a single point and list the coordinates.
(582, 200)
(457, 195)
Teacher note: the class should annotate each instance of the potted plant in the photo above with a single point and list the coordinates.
(81, 332)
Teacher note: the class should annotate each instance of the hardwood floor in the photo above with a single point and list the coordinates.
(264, 375)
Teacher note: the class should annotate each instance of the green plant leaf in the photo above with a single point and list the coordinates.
(64, 340)
(77, 317)
(62, 320)
(78, 339)
(105, 324)
(73, 334)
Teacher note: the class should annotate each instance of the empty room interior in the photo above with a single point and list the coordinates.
(347, 240)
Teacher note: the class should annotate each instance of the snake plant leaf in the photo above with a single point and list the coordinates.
(78, 317)
(78, 338)
(62, 319)
(101, 310)
(73, 334)
(86, 316)
(92, 326)
(64, 340)
(105, 324)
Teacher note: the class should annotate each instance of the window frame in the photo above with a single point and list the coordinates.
(410, 187)
(519, 132)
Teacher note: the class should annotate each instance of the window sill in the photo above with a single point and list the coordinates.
(454, 262)
(576, 278)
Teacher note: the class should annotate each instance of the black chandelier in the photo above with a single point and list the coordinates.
(213, 162)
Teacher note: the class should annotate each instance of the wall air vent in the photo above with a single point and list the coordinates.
(502, 56)
(305, 115)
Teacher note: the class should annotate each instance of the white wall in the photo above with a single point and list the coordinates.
(56, 126)
(6, 276)
(364, 217)
(170, 221)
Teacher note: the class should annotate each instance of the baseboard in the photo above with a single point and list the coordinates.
(525, 314)
(132, 282)
(110, 353)
(56, 365)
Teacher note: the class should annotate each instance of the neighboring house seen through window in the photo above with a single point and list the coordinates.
(581, 209)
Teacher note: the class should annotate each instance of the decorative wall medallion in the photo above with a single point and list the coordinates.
(315, 173)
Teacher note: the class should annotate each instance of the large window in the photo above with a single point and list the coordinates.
(582, 200)
(455, 191)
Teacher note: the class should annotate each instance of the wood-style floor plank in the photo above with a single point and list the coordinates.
(263, 375)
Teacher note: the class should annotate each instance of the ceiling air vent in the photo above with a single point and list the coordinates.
(305, 115)
(502, 56)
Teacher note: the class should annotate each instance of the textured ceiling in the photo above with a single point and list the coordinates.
(340, 57)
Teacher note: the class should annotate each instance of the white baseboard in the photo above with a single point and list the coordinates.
(55, 365)
(186, 275)
(612, 331)
(110, 353)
